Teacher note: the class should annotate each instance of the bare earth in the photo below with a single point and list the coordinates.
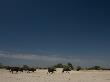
(42, 76)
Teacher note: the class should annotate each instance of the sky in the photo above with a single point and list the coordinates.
(46, 32)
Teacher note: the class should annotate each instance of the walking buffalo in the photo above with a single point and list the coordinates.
(16, 69)
(51, 70)
(31, 69)
(66, 69)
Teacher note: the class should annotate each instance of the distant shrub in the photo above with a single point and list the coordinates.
(25, 67)
(95, 68)
(59, 65)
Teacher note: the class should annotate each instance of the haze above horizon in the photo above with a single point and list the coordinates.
(52, 31)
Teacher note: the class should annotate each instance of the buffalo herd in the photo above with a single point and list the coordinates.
(50, 70)
(18, 69)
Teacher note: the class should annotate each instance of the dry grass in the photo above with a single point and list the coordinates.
(42, 76)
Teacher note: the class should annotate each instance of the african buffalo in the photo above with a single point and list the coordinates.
(31, 69)
(16, 69)
(20, 69)
(67, 69)
(51, 70)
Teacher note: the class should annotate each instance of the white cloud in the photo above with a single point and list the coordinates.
(33, 57)
(49, 59)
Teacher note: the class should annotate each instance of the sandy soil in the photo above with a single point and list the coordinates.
(42, 76)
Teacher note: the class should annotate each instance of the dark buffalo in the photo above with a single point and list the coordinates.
(31, 69)
(21, 69)
(51, 70)
(78, 68)
(66, 69)
(16, 69)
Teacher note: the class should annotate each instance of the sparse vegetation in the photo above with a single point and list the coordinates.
(95, 68)
(25, 67)
(59, 65)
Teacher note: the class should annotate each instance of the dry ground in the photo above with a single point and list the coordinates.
(42, 76)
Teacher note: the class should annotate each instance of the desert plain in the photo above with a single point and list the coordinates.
(58, 76)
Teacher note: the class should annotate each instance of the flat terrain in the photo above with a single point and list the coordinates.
(42, 76)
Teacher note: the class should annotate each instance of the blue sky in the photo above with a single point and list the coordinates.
(61, 30)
